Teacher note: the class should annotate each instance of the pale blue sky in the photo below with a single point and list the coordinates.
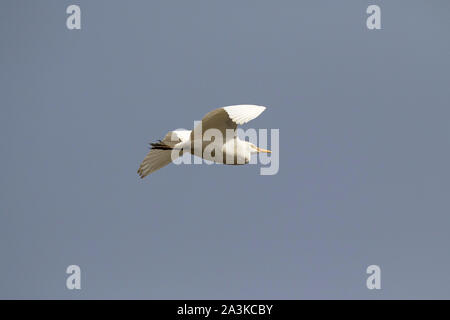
(364, 153)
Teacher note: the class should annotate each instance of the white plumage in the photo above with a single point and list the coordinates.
(223, 119)
(243, 113)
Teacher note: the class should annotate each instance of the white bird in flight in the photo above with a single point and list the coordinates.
(223, 119)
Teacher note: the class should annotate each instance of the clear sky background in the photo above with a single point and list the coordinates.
(364, 150)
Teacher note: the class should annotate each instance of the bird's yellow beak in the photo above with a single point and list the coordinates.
(263, 150)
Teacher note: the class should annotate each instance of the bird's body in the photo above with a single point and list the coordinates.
(213, 139)
(236, 150)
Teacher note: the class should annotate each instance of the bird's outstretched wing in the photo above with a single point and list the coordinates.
(228, 118)
(154, 160)
(160, 157)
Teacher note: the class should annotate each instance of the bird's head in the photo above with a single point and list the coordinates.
(255, 149)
